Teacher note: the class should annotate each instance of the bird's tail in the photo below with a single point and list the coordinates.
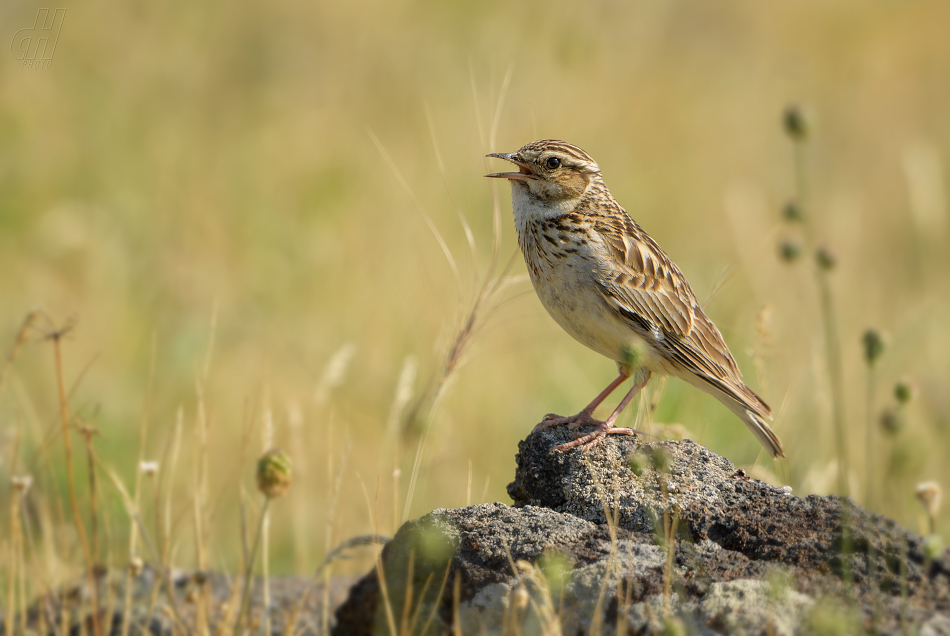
(742, 401)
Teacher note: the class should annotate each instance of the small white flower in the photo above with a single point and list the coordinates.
(929, 493)
(148, 468)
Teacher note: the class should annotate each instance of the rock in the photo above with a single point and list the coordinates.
(294, 601)
(648, 538)
(587, 484)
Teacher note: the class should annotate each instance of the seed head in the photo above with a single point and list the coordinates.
(661, 459)
(638, 463)
(796, 122)
(874, 345)
(933, 547)
(929, 494)
(274, 473)
(789, 250)
(826, 257)
(21, 483)
(148, 468)
(792, 211)
(905, 390)
(673, 626)
(892, 421)
(556, 569)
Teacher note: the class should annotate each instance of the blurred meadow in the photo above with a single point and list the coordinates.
(230, 203)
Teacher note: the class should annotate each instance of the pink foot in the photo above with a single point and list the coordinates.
(589, 440)
(573, 421)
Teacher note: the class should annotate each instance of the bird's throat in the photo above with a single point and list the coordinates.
(534, 204)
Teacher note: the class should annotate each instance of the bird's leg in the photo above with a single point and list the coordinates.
(586, 416)
(607, 427)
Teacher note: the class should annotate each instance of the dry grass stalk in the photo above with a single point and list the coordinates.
(55, 336)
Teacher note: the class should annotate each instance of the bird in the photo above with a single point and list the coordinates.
(606, 282)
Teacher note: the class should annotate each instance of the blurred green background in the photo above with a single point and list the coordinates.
(186, 169)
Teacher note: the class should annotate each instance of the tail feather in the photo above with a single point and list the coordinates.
(762, 431)
(745, 404)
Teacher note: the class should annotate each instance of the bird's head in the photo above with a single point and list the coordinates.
(550, 170)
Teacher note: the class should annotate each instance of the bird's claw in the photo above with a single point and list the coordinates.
(589, 440)
(573, 421)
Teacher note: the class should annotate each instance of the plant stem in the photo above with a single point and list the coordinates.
(870, 492)
(800, 183)
(869, 438)
(249, 568)
(832, 343)
(833, 351)
(74, 504)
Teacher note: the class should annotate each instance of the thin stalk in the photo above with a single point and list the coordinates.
(835, 376)
(268, 439)
(56, 337)
(801, 191)
(249, 568)
(165, 525)
(27, 532)
(826, 301)
(44, 601)
(134, 514)
(12, 571)
(200, 508)
(143, 434)
(869, 437)
(87, 432)
(871, 492)
(265, 569)
(157, 506)
(14, 538)
(902, 560)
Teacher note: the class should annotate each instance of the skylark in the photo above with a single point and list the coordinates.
(608, 284)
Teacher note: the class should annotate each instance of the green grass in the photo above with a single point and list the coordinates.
(182, 161)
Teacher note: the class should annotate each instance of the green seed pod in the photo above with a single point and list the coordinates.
(892, 421)
(789, 250)
(792, 212)
(874, 345)
(904, 391)
(673, 626)
(661, 459)
(795, 122)
(638, 463)
(933, 547)
(826, 257)
(556, 569)
(274, 473)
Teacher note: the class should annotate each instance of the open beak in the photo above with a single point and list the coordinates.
(524, 171)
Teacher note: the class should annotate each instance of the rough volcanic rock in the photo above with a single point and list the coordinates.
(638, 538)
(203, 602)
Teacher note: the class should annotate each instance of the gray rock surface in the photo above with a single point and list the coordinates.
(203, 602)
(648, 538)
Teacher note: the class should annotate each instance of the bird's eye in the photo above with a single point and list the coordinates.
(553, 162)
